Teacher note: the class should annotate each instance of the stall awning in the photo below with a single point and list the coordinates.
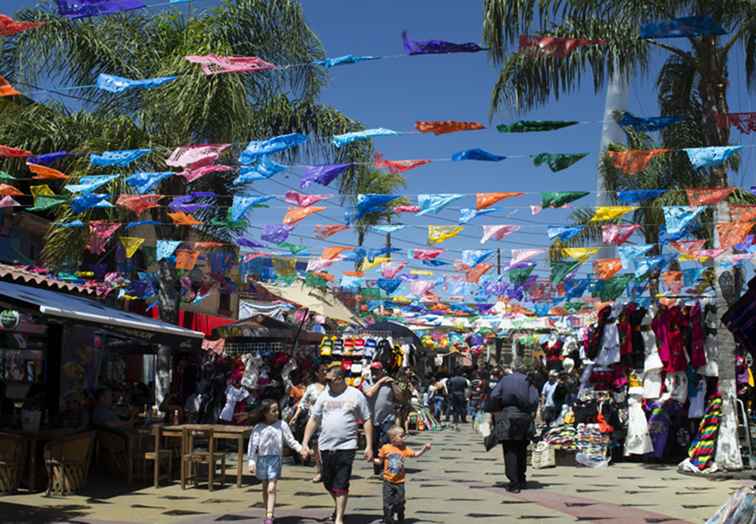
(319, 301)
(56, 304)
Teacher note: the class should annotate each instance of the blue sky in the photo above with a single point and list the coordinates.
(394, 93)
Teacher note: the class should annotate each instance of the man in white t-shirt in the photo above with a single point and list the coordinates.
(338, 412)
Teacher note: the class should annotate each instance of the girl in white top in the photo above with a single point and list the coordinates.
(265, 450)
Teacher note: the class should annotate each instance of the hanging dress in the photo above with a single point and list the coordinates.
(638, 440)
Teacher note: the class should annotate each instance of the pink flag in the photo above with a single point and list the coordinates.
(214, 346)
(497, 232)
(406, 209)
(195, 156)
(99, 234)
(521, 255)
(392, 269)
(426, 254)
(302, 200)
(688, 247)
(709, 253)
(215, 65)
(8, 201)
(192, 174)
(138, 203)
(420, 287)
(534, 210)
(319, 264)
(616, 234)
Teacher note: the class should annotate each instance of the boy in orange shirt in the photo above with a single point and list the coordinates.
(391, 456)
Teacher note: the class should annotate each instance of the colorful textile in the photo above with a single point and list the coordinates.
(193, 156)
(604, 213)
(215, 65)
(194, 173)
(710, 156)
(263, 169)
(251, 244)
(10, 27)
(678, 218)
(73, 224)
(688, 247)
(14, 152)
(428, 47)
(90, 183)
(616, 234)
(138, 203)
(323, 174)
(387, 229)
(745, 122)
(5, 88)
(99, 235)
(117, 84)
(576, 287)
(553, 45)
(682, 28)
(323, 231)
(703, 448)
(521, 255)
(188, 204)
(438, 234)
(183, 219)
(637, 196)
(45, 173)
(498, 232)
(645, 266)
(654, 123)
(433, 203)
(633, 161)
(297, 214)
(367, 134)
(397, 166)
(117, 158)
(442, 127)
(560, 198)
(424, 254)
(483, 200)
(466, 214)
(257, 148)
(391, 269)
(130, 245)
(564, 233)
(45, 203)
(562, 269)
(89, 201)
(519, 274)
(605, 268)
(275, 233)
(731, 233)
(579, 253)
(557, 161)
(530, 126)
(74, 9)
(143, 182)
(709, 196)
(242, 203)
(477, 154)
(344, 60)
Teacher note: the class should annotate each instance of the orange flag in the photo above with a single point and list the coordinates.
(182, 219)
(441, 127)
(186, 259)
(484, 200)
(8, 190)
(138, 203)
(704, 197)
(354, 273)
(324, 231)
(208, 245)
(607, 267)
(673, 280)
(742, 213)
(731, 233)
(633, 161)
(478, 271)
(14, 152)
(329, 253)
(45, 173)
(295, 214)
(6, 89)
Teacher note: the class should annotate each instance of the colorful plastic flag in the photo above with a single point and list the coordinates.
(8, 190)
(344, 60)
(45, 203)
(263, 169)
(633, 161)
(391, 269)
(186, 259)
(47, 158)
(166, 248)
(5, 88)
(99, 235)
(636, 196)
(10, 27)
(522, 255)
(297, 214)
(745, 122)
(473, 257)
(646, 265)
(242, 203)
(710, 156)
(194, 173)
(215, 65)
(323, 174)
(397, 166)
(420, 287)
(130, 245)
(673, 280)
(117, 84)
(605, 268)
(424, 254)
(610, 212)
(563, 233)
(562, 269)
(90, 183)
(183, 219)
(709, 196)
(275, 233)
(682, 28)
(252, 244)
(370, 203)
(332, 253)
(530, 126)
(616, 234)
(557, 161)
(138, 203)
(389, 285)
(483, 200)
(438, 234)
(560, 198)
(498, 232)
(579, 253)
(477, 154)
(405, 209)
(433, 203)
(138, 223)
(74, 9)
(90, 201)
(367, 134)
(323, 231)
(535, 209)
(611, 289)
(654, 123)
(5, 176)
(45, 173)
(554, 45)
(117, 158)
(430, 47)
(41, 190)
(73, 224)
(442, 127)
(628, 254)
(187, 204)
(466, 214)
(8, 201)
(14, 152)
(520, 273)
(302, 200)
(258, 148)
(194, 156)
(473, 275)
(387, 229)
(677, 218)
(742, 213)
(688, 247)
(731, 233)
(143, 182)
(576, 287)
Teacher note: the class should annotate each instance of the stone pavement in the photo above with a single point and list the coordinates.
(456, 482)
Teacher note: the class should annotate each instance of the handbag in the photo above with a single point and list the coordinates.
(544, 456)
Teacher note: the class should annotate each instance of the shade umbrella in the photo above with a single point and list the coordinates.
(317, 300)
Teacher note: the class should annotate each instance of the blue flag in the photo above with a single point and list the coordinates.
(90, 183)
(143, 182)
(682, 28)
(242, 203)
(166, 248)
(257, 148)
(367, 134)
(117, 158)
(73, 224)
(117, 84)
(89, 201)
(710, 156)
(389, 285)
(262, 170)
(434, 202)
(138, 223)
(678, 218)
(654, 123)
(576, 287)
(477, 154)
(343, 60)
(628, 253)
(563, 233)
(370, 203)
(467, 214)
(74, 9)
(473, 257)
(47, 158)
(639, 195)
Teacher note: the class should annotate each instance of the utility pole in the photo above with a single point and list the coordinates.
(498, 260)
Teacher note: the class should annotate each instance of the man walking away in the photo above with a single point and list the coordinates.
(457, 387)
(514, 402)
(380, 397)
(548, 404)
(338, 412)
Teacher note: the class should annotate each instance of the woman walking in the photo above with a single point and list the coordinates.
(304, 409)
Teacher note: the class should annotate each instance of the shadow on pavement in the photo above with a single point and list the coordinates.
(22, 514)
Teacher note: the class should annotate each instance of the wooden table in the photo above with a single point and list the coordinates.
(35, 440)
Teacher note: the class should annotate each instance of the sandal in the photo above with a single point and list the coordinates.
(268, 519)
(317, 478)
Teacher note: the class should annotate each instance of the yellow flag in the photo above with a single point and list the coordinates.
(284, 266)
(421, 272)
(438, 234)
(377, 261)
(131, 244)
(610, 212)
(579, 253)
(41, 190)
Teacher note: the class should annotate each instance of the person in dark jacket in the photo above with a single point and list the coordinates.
(514, 402)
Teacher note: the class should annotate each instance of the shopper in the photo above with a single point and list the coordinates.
(339, 412)
(548, 405)
(391, 458)
(302, 414)
(265, 451)
(457, 386)
(514, 401)
(380, 397)
(436, 397)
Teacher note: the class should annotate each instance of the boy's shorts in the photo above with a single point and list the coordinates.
(268, 467)
(393, 496)
(336, 468)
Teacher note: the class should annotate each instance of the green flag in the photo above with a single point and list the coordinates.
(562, 269)
(370, 292)
(612, 288)
(43, 203)
(557, 161)
(518, 276)
(294, 249)
(529, 126)
(5, 176)
(560, 198)
(315, 281)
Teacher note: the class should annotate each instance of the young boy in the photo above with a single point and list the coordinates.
(391, 457)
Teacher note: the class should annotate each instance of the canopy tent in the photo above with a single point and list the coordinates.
(264, 327)
(319, 301)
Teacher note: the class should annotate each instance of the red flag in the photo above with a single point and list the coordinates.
(742, 213)
(138, 203)
(14, 152)
(553, 45)
(441, 127)
(10, 27)
(633, 161)
(100, 232)
(703, 197)
(397, 166)
(6, 89)
(731, 233)
(745, 122)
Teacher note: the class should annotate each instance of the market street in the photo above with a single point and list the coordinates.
(457, 482)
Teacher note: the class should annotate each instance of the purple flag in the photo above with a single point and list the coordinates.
(252, 244)
(84, 8)
(429, 47)
(275, 233)
(185, 202)
(47, 158)
(323, 175)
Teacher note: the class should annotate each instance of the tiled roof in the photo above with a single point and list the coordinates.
(21, 274)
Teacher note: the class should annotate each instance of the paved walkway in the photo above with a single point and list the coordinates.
(457, 482)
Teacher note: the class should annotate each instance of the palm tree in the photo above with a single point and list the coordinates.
(228, 108)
